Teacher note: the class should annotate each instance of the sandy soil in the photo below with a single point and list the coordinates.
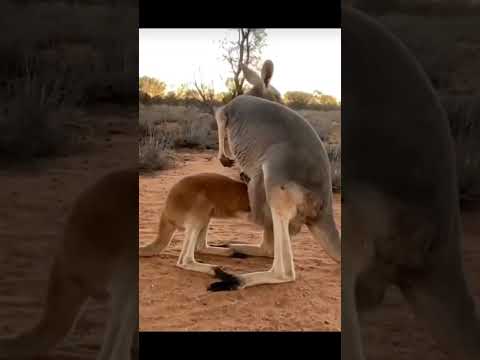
(175, 299)
(34, 202)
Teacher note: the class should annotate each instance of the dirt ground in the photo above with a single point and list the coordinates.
(35, 200)
(391, 332)
(175, 299)
(34, 203)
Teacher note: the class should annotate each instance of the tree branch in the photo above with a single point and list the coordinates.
(207, 96)
(245, 50)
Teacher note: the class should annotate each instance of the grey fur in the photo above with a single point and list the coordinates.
(289, 171)
(261, 86)
(257, 127)
(262, 131)
(401, 219)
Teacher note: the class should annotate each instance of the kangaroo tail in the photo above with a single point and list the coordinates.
(326, 232)
(65, 298)
(165, 234)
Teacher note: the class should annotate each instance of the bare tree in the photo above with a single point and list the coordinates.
(206, 96)
(246, 49)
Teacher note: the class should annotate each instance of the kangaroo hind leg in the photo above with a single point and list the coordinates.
(440, 297)
(65, 299)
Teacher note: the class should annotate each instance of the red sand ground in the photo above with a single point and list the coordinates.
(175, 299)
(33, 208)
(35, 200)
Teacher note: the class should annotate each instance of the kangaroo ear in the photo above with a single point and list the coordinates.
(252, 77)
(267, 72)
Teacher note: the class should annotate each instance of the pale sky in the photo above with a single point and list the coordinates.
(304, 59)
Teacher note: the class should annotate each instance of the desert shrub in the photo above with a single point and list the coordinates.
(151, 86)
(34, 121)
(165, 127)
(464, 117)
(184, 126)
(322, 121)
(334, 152)
(187, 126)
(314, 101)
(195, 132)
(95, 65)
(154, 150)
(144, 98)
(325, 123)
(159, 114)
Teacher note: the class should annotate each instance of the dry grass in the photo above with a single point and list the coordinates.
(188, 127)
(334, 152)
(57, 64)
(59, 43)
(325, 123)
(184, 126)
(155, 151)
(34, 121)
(165, 127)
(464, 117)
(158, 114)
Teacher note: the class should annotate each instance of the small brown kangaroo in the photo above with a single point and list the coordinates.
(190, 205)
(97, 258)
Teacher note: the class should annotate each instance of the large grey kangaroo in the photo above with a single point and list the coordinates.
(289, 172)
(400, 212)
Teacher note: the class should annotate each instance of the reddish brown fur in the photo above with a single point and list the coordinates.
(206, 194)
(192, 202)
(99, 247)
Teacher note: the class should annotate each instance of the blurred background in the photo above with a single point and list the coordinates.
(444, 36)
(68, 115)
